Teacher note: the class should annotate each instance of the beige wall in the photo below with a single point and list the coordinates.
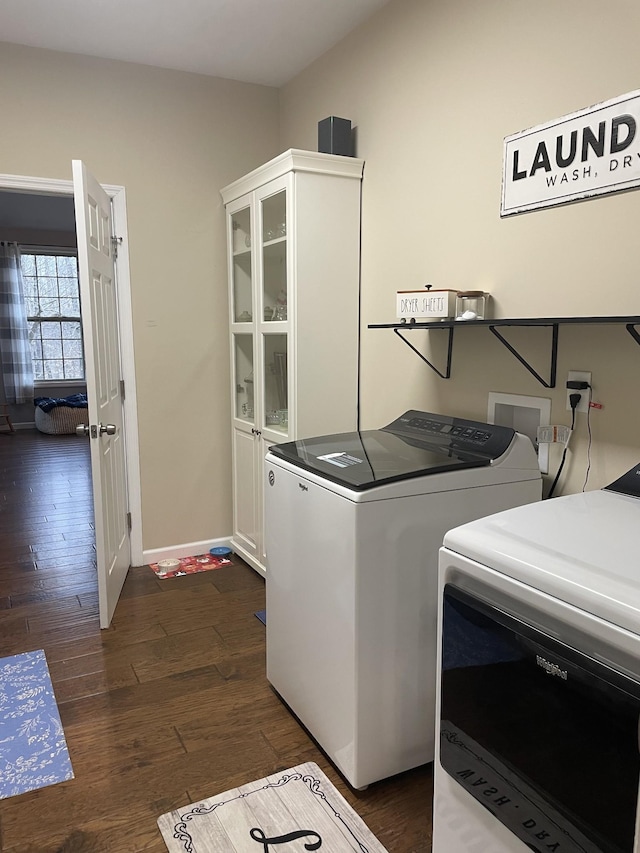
(433, 87)
(173, 140)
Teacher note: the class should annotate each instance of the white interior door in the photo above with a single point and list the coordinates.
(96, 262)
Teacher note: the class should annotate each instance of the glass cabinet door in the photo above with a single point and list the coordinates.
(243, 366)
(274, 257)
(242, 306)
(276, 394)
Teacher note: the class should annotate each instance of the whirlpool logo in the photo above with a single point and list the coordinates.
(551, 668)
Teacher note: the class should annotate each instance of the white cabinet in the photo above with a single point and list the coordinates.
(293, 236)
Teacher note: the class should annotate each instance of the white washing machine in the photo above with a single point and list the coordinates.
(353, 527)
(539, 678)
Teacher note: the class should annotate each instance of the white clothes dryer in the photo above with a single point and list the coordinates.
(353, 526)
(538, 689)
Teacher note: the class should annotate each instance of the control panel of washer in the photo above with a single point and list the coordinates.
(489, 439)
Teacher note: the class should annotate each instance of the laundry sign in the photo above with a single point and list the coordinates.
(584, 154)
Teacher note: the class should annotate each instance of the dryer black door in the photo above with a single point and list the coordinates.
(545, 737)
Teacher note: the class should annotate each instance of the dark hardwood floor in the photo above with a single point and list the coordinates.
(168, 706)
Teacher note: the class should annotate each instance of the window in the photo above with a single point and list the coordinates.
(52, 298)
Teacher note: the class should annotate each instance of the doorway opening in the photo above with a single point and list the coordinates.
(43, 195)
(45, 480)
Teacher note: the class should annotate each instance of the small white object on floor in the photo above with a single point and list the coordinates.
(165, 566)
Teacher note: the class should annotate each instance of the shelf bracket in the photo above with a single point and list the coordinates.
(554, 354)
(447, 373)
(631, 328)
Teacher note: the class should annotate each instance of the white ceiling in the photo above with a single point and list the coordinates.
(254, 41)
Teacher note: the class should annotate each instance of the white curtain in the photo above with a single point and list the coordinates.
(17, 367)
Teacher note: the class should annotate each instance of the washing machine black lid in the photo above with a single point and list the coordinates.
(415, 444)
(628, 484)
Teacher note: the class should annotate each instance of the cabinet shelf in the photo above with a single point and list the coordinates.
(275, 241)
(553, 323)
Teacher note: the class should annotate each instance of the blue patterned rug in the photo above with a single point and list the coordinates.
(33, 749)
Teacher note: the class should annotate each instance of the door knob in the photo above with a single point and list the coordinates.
(82, 430)
(110, 429)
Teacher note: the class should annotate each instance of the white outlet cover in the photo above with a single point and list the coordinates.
(524, 414)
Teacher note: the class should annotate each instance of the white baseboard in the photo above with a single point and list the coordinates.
(189, 549)
(250, 559)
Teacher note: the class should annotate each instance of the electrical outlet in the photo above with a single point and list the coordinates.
(585, 394)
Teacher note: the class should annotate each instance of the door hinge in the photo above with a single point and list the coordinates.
(129, 521)
(122, 388)
(115, 242)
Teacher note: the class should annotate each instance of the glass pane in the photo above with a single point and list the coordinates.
(28, 263)
(276, 414)
(30, 286)
(70, 307)
(67, 266)
(36, 348)
(38, 369)
(54, 369)
(73, 368)
(49, 307)
(50, 330)
(72, 349)
(274, 271)
(274, 217)
(244, 377)
(46, 265)
(52, 349)
(242, 308)
(274, 258)
(71, 330)
(48, 286)
(241, 228)
(32, 306)
(68, 287)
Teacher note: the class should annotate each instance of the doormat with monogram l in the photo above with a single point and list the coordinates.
(289, 812)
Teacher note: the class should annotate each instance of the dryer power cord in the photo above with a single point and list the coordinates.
(574, 399)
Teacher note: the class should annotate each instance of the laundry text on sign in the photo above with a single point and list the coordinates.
(591, 144)
(592, 152)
